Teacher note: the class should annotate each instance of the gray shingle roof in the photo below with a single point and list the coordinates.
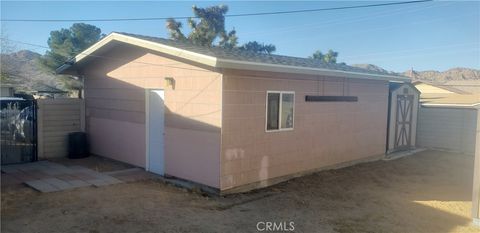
(241, 55)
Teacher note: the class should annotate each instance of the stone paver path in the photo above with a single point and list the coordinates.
(46, 176)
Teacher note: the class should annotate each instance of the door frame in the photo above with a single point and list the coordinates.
(147, 126)
(395, 90)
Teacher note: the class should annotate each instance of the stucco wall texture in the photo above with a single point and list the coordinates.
(325, 133)
(115, 111)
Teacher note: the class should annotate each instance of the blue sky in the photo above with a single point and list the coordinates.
(426, 36)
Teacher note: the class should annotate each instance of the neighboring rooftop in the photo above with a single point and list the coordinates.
(458, 100)
(43, 88)
(235, 58)
(447, 88)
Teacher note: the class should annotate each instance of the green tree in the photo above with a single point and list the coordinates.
(67, 43)
(4, 78)
(329, 57)
(210, 28)
(205, 31)
(5, 48)
(257, 47)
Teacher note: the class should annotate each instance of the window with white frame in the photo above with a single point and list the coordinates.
(280, 110)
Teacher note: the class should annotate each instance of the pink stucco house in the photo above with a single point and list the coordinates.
(227, 119)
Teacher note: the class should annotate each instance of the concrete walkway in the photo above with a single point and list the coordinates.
(46, 176)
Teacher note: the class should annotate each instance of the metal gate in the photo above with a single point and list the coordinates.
(18, 120)
(403, 124)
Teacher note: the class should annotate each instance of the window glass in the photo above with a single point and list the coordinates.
(273, 105)
(287, 111)
(280, 110)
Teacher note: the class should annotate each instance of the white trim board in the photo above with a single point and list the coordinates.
(147, 131)
(158, 160)
(280, 129)
(472, 106)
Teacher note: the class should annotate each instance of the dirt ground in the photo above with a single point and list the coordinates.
(96, 163)
(426, 192)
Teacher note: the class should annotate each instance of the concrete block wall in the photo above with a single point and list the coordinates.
(324, 134)
(115, 111)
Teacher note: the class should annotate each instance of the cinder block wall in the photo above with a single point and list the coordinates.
(55, 120)
(115, 111)
(447, 128)
(325, 133)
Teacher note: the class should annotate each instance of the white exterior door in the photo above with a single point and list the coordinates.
(155, 131)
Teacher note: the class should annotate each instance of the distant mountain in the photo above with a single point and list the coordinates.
(24, 72)
(454, 74)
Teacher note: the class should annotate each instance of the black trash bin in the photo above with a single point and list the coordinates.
(77, 145)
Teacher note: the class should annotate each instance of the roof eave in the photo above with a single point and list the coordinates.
(63, 69)
(245, 65)
(173, 51)
(66, 67)
(215, 62)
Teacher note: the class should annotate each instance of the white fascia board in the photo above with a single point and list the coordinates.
(245, 65)
(87, 52)
(176, 52)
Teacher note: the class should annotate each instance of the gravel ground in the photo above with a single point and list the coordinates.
(426, 192)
